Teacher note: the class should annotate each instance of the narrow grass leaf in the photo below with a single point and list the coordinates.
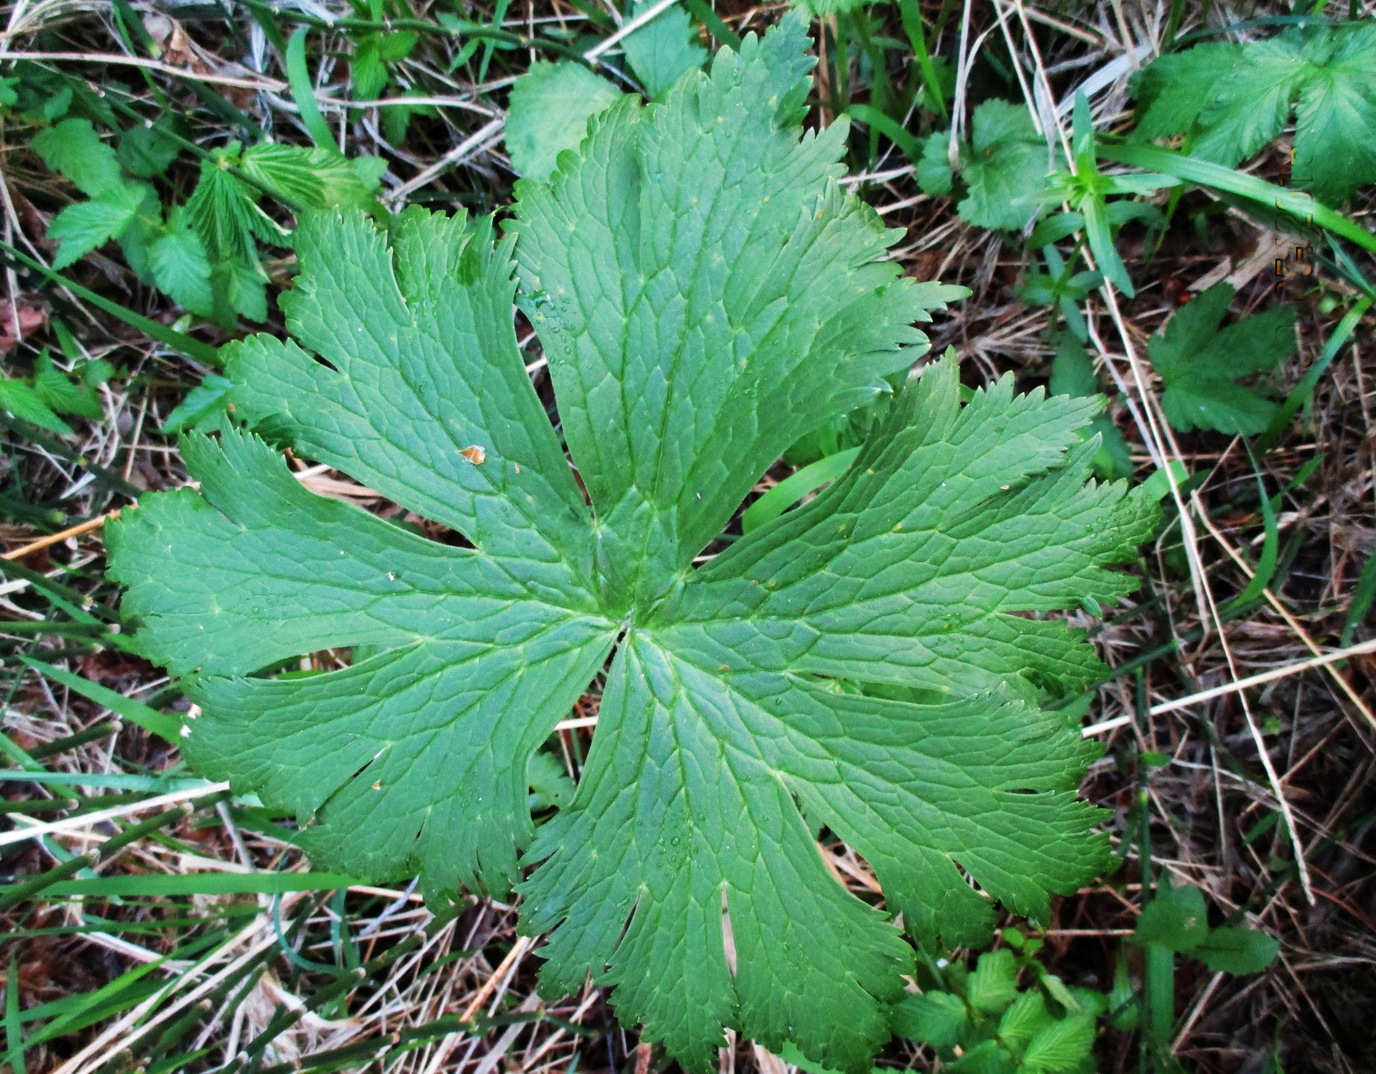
(132, 885)
(302, 88)
(794, 487)
(137, 713)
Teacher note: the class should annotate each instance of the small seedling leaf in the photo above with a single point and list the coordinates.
(1177, 919)
(20, 399)
(1236, 950)
(1025, 1018)
(87, 225)
(934, 1018)
(1061, 1047)
(987, 1057)
(201, 407)
(180, 267)
(63, 393)
(661, 50)
(1005, 161)
(308, 177)
(147, 150)
(223, 210)
(549, 112)
(994, 983)
(74, 149)
(1072, 373)
(1200, 365)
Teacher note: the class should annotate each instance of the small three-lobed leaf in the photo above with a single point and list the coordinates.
(1202, 365)
(705, 293)
(1003, 166)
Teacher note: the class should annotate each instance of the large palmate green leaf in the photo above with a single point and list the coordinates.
(871, 662)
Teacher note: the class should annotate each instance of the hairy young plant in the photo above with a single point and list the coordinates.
(1231, 99)
(871, 662)
(203, 255)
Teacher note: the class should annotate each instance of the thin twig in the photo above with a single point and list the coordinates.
(55, 538)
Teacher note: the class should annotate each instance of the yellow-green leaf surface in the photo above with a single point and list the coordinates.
(871, 662)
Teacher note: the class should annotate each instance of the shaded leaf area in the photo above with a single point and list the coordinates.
(1233, 99)
(1002, 166)
(1202, 365)
(874, 661)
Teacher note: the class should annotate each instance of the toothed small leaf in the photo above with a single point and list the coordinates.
(1003, 166)
(550, 108)
(663, 48)
(1232, 99)
(1202, 365)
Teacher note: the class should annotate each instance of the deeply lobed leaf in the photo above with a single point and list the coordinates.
(1232, 99)
(872, 662)
(1201, 364)
(705, 294)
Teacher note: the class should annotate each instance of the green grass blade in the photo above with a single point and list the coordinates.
(911, 13)
(1159, 987)
(27, 889)
(715, 26)
(62, 597)
(1100, 239)
(150, 784)
(1217, 177)
(1304, 390)
(71, 742)
(14, 1035)
(1363, 596)
(794, 487)
(888, 127)
(158, 723)
(178, 341)
(303, 92)
(203, 884)
(1266, 565)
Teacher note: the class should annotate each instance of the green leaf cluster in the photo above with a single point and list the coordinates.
(373, 75)
(1202, 366)
(1178, 920)
(1004, 161)
(50, 392)
(204, 254)
(1087, 192)
(982, 1021)
(873, 663)
(1231, 99)
(1062, 288)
